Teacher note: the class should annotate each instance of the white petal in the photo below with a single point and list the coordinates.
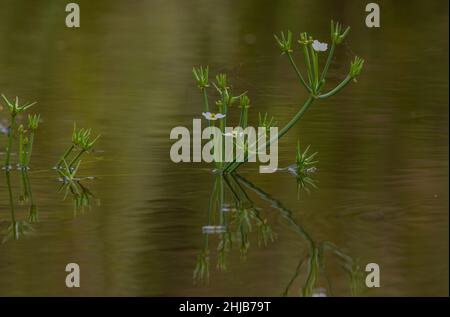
(315, 45)
(220, 115)
(319, 47)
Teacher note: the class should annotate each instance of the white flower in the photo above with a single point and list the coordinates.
(213, 116)
(319, 47)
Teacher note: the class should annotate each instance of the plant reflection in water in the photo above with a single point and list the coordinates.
(233, 223)
(82, 197)
(16, 229)
(20, 228)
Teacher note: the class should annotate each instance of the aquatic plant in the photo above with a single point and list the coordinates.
(305, 161)
(68, 174)
(33, 123)
(305, 182)
(304, 167)
(201, 76)
(81, 195)
(17, 228)
(213, 116)
(223, 249)
(82, 142)
(315, 79)
(201, 271)
(4, 129)
(23, 145)
(316, 266)
(72, 185)
(26, 140)
(225, 100)
(246, 217)
(14, 109)
(232, 223)
(265, 233)
(314, 260)
(82, 199)
(266, 122)
(26, 197)
(244, 105)
(71, 182)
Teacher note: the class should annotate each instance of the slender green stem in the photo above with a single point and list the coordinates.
(233, 165)
(21, 148)
(337, 88)
(205, 99)
(23, 186)
(222, 128)
(216, 162)
(311, 274)
(299, 74)
(223, 121)
(308, 65)
(231, 189)
(11, 201)
(286, 213)
(206, 103)
(296, 274)
(328, 62)
(283, 131)
(242, 193)
(315, 69)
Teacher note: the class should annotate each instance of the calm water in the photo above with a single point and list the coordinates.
(382, 143)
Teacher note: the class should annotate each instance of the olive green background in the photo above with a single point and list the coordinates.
(382, 143)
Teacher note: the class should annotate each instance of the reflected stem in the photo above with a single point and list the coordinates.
(286, 128)
(10, 136)
(11, 202)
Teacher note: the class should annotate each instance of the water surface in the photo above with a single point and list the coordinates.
(382, 143)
